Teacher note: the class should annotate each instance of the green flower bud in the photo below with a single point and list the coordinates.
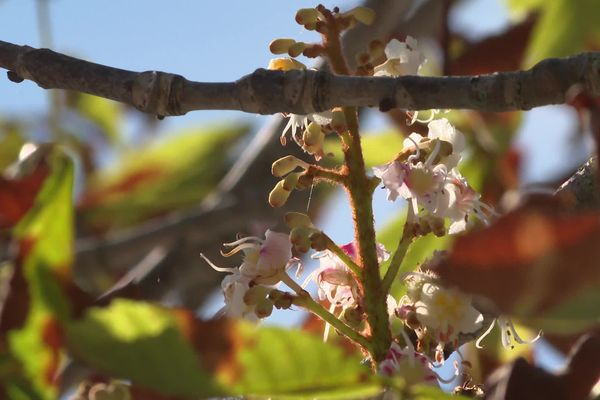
(296, 219)
(290, 181)
(287, 164)
(364, 15)
(296, 49)
(281, 46)
(306, 16)
(264, 308)
(278, 196)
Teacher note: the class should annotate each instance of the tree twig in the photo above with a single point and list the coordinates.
(305, 91)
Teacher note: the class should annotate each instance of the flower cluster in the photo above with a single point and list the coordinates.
(424, 173)
(438, 315)
(264, 265)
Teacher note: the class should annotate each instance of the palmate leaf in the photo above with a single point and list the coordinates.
(170, 174)
(36, 302)
(172, 353)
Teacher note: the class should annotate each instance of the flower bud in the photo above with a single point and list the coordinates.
(290, 181)
(281, 46)
(285, 64)
(300, 238)
(338, 121)
(278, 196)
(287, 164)
(313, 138)
(304, 181)
(364, 15)
(263, 308)
(296, 49)
(255, 294)
(296, 219)
(306, 16)
(281, 299)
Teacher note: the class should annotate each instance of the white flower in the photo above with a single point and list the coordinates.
(446, 312)
(413, 367)
(265, 262)
(509, 334)
(403, 58)
(299, 122)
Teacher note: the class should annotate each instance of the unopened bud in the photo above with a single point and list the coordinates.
(306, 16)
(263, 308)
(287, 164)
(300, 238)
(285, 64)
(364, 15)
(313, 138)
(281, 46)
(290, 181)
(304, 181)
(338, 121)
(255, 294)
(296, 49)
(278, 196)
(281, 299)
(296, 219)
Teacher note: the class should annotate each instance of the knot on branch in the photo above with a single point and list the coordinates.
(158, 93)
(296, 91)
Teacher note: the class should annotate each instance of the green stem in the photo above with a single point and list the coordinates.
(405, 241)
(311, 305)
(303, 299)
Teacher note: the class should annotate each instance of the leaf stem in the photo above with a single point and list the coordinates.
(311, 305)
(405, 241)
(304, 300)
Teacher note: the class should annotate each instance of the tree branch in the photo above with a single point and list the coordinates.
(306, 91)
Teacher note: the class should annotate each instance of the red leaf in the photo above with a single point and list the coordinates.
(15, 307)
(18, 195)
(529, 260)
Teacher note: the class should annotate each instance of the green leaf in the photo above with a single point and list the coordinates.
(281, 361)
(423, 392)
(143, 343)
(105, 114)
(168, 175)
(564, 28)
(45, 237)
(520, 6)
(166, 351)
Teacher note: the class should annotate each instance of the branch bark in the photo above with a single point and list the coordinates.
(306, 91)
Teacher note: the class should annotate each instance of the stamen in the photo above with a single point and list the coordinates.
(518, 339)
(484, 334)
(243, 240)
(217, 268)
(433, 154)
(239, 248)
(414, 156)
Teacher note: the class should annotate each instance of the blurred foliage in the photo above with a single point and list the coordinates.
(565, 27)
(167, 175)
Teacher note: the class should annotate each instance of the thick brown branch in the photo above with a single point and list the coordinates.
(303, 92)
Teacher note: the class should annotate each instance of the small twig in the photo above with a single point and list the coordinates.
(341, 254)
